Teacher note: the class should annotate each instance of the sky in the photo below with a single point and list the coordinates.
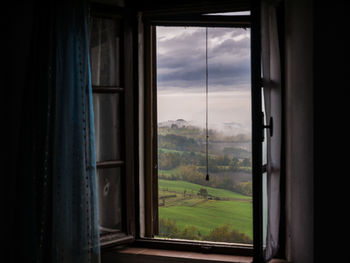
(181, 76)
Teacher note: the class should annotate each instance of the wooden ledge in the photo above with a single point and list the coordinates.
(152, 255)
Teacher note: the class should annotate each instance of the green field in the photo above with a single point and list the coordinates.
(165, 150)
(181, 186)
(179, 201)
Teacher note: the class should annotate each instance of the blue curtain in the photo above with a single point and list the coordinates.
(75, 234)
(51, 193)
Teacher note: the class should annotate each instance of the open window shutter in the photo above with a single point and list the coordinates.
(111, 56)
(273, 105)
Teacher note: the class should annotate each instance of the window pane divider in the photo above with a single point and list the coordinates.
(110, 164)
(107, 89)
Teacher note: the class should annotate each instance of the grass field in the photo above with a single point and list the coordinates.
(189, 209)
(181, 186)
(165, 150)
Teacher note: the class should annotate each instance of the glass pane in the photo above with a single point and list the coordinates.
(105, 51)
(190, 207)
(264, 144)
(107, 126)
(264, 178)
(109, 191)
(265, 210)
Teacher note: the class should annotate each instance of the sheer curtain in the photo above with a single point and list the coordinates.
(75, 213)
(105, 49)
(272, 94)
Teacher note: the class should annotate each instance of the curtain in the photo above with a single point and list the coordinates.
(30, 197)
(271, 70)
(75, 228)
(54, 189)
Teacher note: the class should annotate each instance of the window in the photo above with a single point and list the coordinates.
(127, 162)
(112, 82)
(176, 140)
(204, 128)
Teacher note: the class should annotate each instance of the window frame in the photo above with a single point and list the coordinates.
(131, 197)
(126, 91)
(151, 169)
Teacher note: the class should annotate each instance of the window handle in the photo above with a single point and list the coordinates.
(269, 126)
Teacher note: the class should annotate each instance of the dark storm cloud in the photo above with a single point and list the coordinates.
(181, 58)
(219, 75)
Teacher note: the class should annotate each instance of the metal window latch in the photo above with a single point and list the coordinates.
(269, 126)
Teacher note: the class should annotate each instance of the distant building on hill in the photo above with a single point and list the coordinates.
(174, 124)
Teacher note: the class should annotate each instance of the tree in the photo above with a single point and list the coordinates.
(168, 161)
(189, 173)
(190, 233)
(203, 193)
(234, 164)
(168, 228)
(246, 162)
(225, 234)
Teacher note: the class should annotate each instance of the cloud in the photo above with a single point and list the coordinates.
(181, 58)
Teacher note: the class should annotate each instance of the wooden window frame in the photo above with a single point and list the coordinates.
(131, 226)
(151, 169)
(126, 92)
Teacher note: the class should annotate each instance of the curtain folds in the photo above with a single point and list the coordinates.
(55, 214)
(271, 69)
(75, 234)
(75, 213)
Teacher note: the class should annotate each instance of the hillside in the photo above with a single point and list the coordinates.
(181, 186)
(191, 207)
(180, 203)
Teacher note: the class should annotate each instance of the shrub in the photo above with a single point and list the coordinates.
(224, 234)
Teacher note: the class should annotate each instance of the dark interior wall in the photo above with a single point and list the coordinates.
(317, 99)
(18, 21)
(317, 49)
(331, 79)
(299, 129)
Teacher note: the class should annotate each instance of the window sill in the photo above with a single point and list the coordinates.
(148, 255)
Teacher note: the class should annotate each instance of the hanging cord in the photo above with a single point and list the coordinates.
(206, 103)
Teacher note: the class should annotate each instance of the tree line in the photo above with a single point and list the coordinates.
(217, 163)
(200, 133)
(180, 143)
(190, 173)
(169, 229)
